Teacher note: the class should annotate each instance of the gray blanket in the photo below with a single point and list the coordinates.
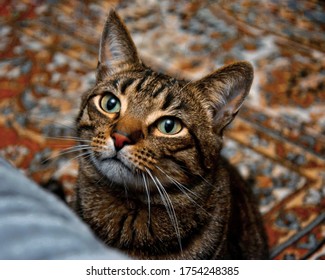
(34, 224)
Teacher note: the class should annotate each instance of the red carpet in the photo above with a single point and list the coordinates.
(48, 54)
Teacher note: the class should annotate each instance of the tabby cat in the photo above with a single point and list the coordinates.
(151, 181)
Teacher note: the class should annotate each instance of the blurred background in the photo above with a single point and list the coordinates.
(48, 56)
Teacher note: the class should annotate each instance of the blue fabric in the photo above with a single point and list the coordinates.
(34, 224)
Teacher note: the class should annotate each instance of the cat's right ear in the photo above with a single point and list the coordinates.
(226, 89)
(117, 51)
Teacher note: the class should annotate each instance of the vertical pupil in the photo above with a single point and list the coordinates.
(111, 103)
(169, 125)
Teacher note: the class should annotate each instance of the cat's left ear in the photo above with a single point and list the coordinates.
(225, 90)
(117, 51)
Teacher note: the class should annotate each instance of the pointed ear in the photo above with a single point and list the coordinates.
(225, 90)
(117, 51)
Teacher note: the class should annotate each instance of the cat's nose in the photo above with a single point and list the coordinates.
(120, 140)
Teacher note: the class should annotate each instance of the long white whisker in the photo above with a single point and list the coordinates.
(87, 154)
(68, 151)
(185, 86)
(76, 147)
(101, 178)
(68, 138)
(205, 180)
(168, 205)
(178, 184)
(192, 174)
(184, 190)
(173, 214)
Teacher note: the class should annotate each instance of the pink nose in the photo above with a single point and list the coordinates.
(120, 140)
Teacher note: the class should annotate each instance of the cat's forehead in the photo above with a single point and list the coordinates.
(147, 91)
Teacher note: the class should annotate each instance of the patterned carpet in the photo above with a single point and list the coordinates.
(48, 53)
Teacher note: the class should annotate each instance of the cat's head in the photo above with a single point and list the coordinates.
(144, 127)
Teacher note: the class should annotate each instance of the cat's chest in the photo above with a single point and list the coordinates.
(129, 224)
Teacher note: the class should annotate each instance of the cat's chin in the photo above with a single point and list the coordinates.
(120, 173)
(117, 172)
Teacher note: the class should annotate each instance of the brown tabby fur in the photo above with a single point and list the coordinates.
(164, 196)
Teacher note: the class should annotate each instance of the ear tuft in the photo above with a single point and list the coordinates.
(226, 89)
(117, 51)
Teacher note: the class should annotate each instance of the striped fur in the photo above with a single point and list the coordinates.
(156, 194)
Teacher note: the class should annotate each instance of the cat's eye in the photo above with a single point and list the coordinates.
(169, 126)
(110, 103)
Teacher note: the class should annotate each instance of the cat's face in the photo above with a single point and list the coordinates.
(145, 128)
(143, 124)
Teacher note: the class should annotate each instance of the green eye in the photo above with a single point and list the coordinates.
(169, 126)
(110, 103)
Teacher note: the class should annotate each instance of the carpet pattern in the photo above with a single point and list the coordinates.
(48, 54)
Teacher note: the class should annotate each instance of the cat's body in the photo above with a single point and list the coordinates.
(152, 182)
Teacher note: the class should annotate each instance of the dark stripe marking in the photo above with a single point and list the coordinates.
(180, 163)
(117, 237)
(139, 85)
(115, 83)
(159, 90)
(84, 127)
(168, 100)
(199, 151)
(180, 106)
(180, 149)
(147, 74)
(125, 84)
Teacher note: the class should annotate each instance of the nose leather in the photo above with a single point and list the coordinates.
(120, 140)
(127, 131)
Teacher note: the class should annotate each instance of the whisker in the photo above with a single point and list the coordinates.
(173, 214)
(101, 178)
(188, 83)
(183, 189)
(68, 138)
(72, 150)
(69, 150)
(185, 170)
(87, 154)
(178, 184)
(168, 205)
(205, 180)
(76, 147)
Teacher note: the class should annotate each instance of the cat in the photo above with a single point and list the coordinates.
(151, 180)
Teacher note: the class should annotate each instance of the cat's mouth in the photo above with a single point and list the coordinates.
(116, 161)
(118, 169)
(115, 169)
(114, 158)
